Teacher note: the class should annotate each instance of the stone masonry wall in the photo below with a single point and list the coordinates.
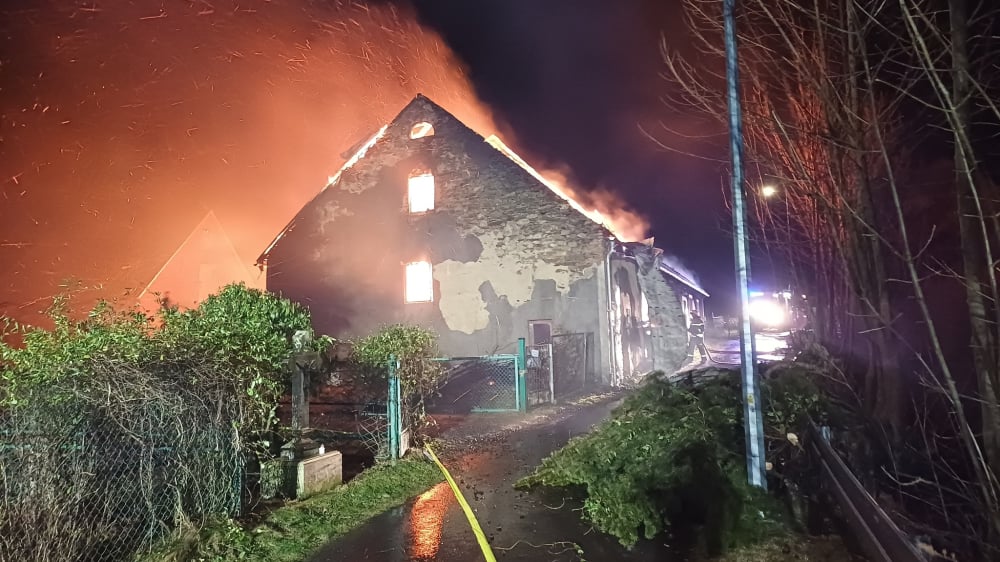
(504, 248)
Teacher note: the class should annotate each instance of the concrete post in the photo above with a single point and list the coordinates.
(300, 402)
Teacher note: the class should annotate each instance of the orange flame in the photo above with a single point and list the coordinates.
(599, 206)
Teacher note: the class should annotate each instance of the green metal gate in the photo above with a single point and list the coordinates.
(488, 383)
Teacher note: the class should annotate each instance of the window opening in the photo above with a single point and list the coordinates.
(420, 192)
(541, 332)
(421, 130)
(419, 282)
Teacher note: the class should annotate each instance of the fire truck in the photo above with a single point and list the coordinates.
(778, 311)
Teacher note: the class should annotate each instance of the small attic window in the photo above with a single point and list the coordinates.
(420, 192)
(421, 130)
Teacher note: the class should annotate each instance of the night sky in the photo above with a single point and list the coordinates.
(123, 123)
(578, 82)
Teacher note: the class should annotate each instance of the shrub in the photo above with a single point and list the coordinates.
(673, 458)
(419, 375)
(120, 426)
(245, 333)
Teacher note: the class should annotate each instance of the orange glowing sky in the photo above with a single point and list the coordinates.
(123, 123)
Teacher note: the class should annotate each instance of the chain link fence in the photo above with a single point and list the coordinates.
(478, 384)
(570, 358)
(540, 375)
(373, 429)
(384, 427)
(81, 482)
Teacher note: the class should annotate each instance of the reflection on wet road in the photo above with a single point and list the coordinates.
(540, 525)
(427, 521)
(771, 346)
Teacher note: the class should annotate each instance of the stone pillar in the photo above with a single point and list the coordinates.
(300, 359)
(300, 402)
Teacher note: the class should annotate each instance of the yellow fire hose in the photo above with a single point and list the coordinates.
(473, 522)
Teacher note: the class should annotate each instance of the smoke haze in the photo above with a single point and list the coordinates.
(123, 123)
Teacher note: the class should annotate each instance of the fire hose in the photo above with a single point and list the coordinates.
(477, 530)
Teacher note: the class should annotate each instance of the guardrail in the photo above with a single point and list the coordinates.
(878, 536)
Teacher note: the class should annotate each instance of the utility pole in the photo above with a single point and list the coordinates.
(752, 421)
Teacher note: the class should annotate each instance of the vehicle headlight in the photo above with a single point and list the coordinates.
(766, 312)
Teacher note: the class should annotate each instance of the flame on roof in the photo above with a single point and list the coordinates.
(593, 215)
(331, 181)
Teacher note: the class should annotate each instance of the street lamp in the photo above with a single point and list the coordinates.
(768, 191)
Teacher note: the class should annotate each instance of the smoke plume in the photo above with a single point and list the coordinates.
(124, 122)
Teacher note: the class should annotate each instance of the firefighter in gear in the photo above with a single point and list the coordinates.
(696, 339)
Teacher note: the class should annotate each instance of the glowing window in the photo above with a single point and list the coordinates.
(421, 192)
(419, 282)
(421, 130)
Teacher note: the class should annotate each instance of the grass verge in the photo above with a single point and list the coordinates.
(294, 531)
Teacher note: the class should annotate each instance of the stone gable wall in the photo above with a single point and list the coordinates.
(505, 249)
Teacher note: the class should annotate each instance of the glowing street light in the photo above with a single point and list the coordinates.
(768, 191)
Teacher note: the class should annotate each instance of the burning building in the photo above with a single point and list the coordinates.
(431, 224)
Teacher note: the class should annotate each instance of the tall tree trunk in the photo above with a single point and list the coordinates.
(882, 387)
(983, 344)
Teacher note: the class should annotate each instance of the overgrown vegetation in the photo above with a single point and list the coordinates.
(119, 427)
(419, 375)
(292, 532)
(790, 549)
(243, 335)
(122, 429)
(672, 459)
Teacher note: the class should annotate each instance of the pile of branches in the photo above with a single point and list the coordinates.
(672, 459)
(105, 466)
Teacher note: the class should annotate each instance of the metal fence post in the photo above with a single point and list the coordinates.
(522, 383)
(552, 375)
(393, 408)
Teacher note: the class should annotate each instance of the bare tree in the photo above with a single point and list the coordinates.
(827, 83)
(807, 124)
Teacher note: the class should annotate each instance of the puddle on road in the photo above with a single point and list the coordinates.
(770, 346)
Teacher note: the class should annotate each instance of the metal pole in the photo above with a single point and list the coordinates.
(392, 408)
(520, 380)
(751, 390)
(552, 375)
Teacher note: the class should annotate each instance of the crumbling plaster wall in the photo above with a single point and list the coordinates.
(505, 249)
(669, 333)
(628, 339)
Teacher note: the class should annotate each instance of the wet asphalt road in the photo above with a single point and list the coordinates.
(539, 525)
(770, 346)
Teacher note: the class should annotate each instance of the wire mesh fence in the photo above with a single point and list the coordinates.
(570, 357)
(478, 384)
(540, 375)
(373, 429)
(383, 425)
(80, 483)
